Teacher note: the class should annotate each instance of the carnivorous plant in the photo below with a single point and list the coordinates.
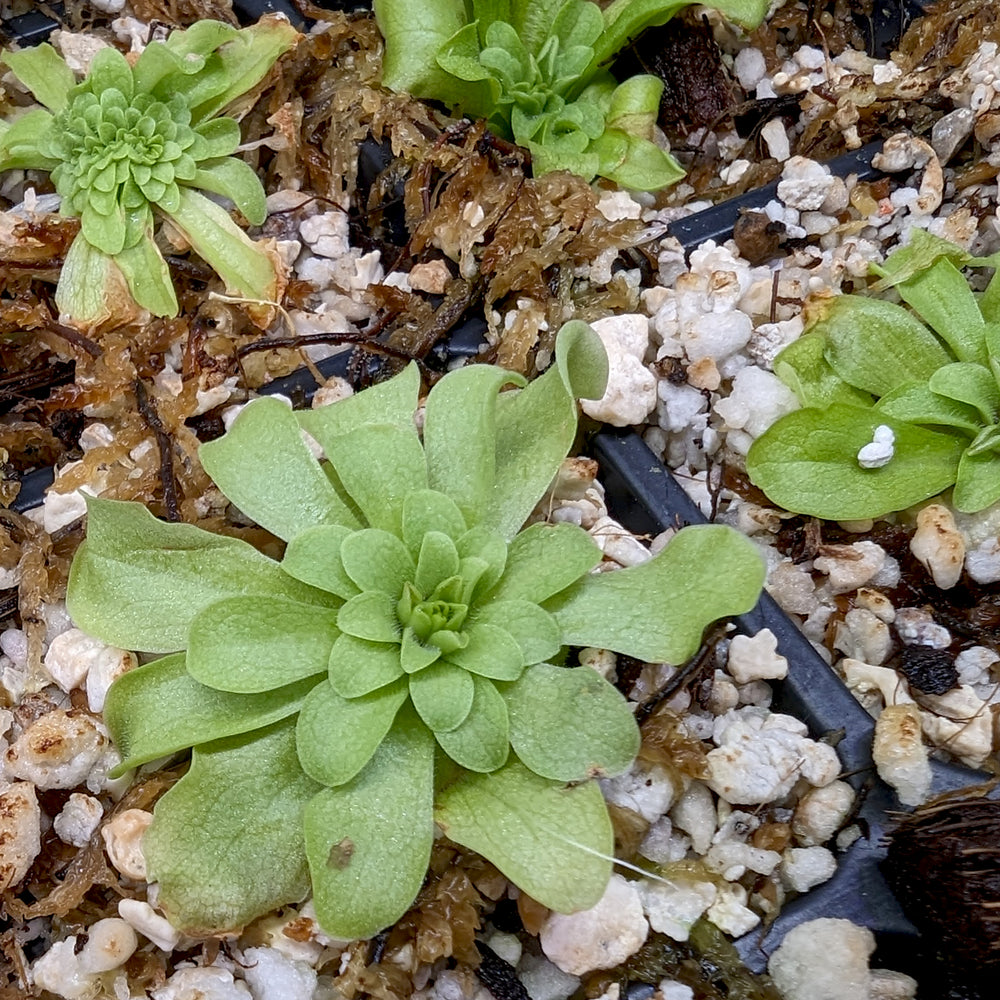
(894, 410)
(404, 664)
(538, 72)
(133, 141)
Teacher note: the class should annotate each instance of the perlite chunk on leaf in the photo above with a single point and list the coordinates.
(402, 665)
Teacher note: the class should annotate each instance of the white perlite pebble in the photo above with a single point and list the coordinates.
(825, 959)
(695, 814)
(59, 750)
(939, 545)
(757, 399)
(206, 983)
(730, 913)
(756, 658)
(760, 756)
(900, 755)
(983, 562)
(20, 832)
(273, 976)
(888, 985)
(631, 392)
(821, 812)
(73, 656)
(78, 819)
(776, 138)
(750, 67)
(879, 451)
(139, 915)
(599, 938)
(646, 789)
(850, 566)
(805, 867)
(545, 981)
(804, 184)
(123, 842)
(673, 907)
(74, 975)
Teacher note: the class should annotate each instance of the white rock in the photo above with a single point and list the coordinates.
(430, 276)
(202, 983)
(670, 989)
(916, 627)
(900, 755)
(273, 976)
(983, 562)
(599, 938)
(755, 658)
(139, 915)
(863, 636)
(675, 905)
(618, 205)
(78, 819)
(821, 812)
(123, 841)
(776, 138)
(327, 234)
(663, 844)
(695, 814)
(110, 943)
(850, 566)
(545, 981)
(732, 858)
(646, 789)
(805, 867)
(757, 399)
(72, 656)
(617, 543)
(716, 335)
(825, 959)
(862, 678)
(939, 545)
(804, 183)
(730, 913)
(963, 724)
(61, 749)
(888, 985)
(59, 972)
(20, 832)
(631, 392)
(879, 452)
(974, 667)
(750, 67)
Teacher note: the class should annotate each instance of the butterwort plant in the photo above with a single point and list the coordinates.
(404, 664)
(134, 142)
(537, 71)
(898, 404)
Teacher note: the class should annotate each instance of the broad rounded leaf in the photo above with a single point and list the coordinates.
(238, 810)
(490, 652)
(248, 644)
(915, 403)
(314, 558)
(533, 629)
(159, 709)
(682, 582)
(429, 510)
(977, 485)
(369, 841)
(358, 667)
(569, 723)
(442, 695)
(377, 560)
(554, 843)
(372, 616)
(337, 736)
(807, 462)
(482, 741)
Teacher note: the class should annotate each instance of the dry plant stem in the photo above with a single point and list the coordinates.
(147, 410)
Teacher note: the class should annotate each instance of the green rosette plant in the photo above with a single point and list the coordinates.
(867, 369)
(402, 665)
(131, 142)
(537, 71)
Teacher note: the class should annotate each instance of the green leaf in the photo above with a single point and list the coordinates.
(437, 562)
(569, 723)
(977, 484)
(803, 367)
(44, 72)
(371, 615)
(90, 284)
(921, 251)
(138, 583)
(246, 268)
(391, 402)
(19, 142)
(369, 841)
(442, 695)
(917, 404)
(337, 736)
(543, 560)
(634, 162)
(490, 652)
(109, 71)
(489, 550)
(359, 666)
(534, 630)
(971, 383)
(379, 488)
(481, 742)
(807, 462)
(428, 510)
(536, 426)
(377, 560)
(554, 843)
(313, 556)
(612, 610)
(147, 275)
(159, 709)
(235, 180)
(460, 436)
(878, 346)
(248, 644)
(238, 810)
(266, 469)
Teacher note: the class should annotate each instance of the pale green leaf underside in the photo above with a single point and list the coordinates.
(555, 843)
(569, 723)
(248, 644)
(683, 583)
(137, 582)
(160, 709)
(369, 841)
(265, 468)
(237, 811)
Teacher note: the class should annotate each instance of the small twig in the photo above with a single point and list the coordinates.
(67, 333)
(148, 412)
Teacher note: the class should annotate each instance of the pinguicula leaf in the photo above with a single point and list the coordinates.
(803, 367)
(977, 482)
(313, 557)
(491, 651)
(916, 403)
(360, 666)
(238, 809)
(376, 560)
(971, 383)
(482, 741)
(44, 72)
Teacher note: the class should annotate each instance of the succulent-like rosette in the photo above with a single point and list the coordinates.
(405, 661)
(130, 139)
